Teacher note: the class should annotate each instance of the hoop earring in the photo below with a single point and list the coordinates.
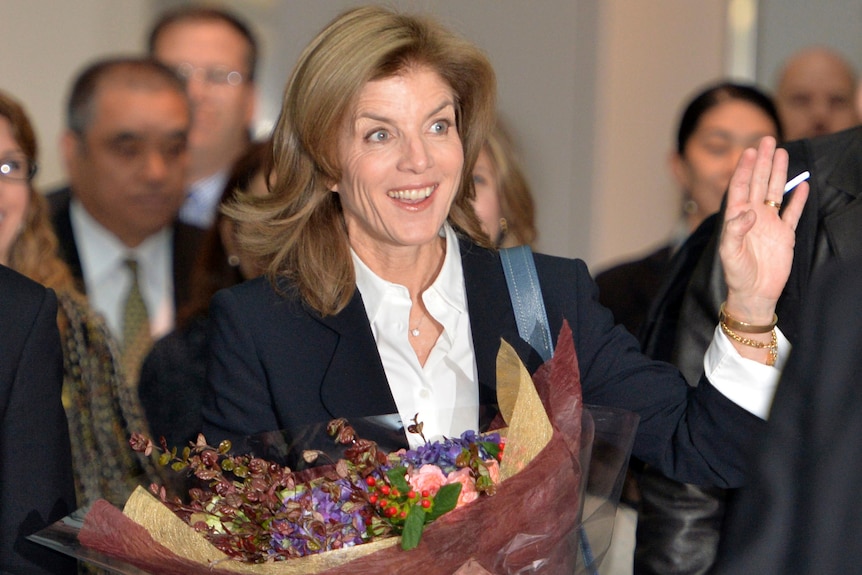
(233, 261)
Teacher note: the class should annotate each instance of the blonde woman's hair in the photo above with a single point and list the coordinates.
(299, 227)
(516, 200)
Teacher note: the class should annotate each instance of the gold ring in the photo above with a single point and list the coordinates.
(776, 205)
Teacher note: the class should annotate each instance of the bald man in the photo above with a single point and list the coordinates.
(816, 94)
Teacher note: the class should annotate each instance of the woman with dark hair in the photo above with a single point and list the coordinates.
(101, 408)
(383, 296)
(172, 381)
(677, 529)
(716, 126)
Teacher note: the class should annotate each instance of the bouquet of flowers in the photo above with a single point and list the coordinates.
(505, 502)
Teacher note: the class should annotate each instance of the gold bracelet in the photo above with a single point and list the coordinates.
(742, 326)
(771, 347)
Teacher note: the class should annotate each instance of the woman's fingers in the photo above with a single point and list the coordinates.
(760, 175)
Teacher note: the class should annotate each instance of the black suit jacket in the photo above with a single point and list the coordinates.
(801, 512)
(186, 242)
(36, 484)
(275, 364)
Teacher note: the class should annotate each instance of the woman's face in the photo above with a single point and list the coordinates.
(487, 202)
(14, 194)
(401, 160)
(713, 150)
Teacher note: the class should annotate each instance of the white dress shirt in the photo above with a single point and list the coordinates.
(107, 278)
(443, 393)
(449, 376)
(202, 199)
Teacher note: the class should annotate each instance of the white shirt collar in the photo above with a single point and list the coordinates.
(102, 256)
(449, 283)
(202, 199)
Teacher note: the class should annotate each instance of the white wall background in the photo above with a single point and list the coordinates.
(591, 87)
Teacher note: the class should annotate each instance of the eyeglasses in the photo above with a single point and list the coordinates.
(214, 76)
(17, 168)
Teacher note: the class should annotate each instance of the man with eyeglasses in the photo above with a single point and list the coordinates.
(215, 53)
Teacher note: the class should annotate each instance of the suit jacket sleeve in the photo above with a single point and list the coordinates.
(693, 434)
(238, 393)
(36, 485)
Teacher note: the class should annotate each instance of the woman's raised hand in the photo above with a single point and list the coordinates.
(757, 239)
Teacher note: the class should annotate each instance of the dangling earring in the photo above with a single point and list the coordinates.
(690, 207)
(504, 226)
(233, 261)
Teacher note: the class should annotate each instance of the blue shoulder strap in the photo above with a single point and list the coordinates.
(533, 327)
(526, 294)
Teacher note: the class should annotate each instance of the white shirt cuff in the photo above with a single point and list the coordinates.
(748, 383)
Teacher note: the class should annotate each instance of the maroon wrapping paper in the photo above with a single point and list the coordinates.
(531, 521)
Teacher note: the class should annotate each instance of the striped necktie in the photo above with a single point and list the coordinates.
(137, 340)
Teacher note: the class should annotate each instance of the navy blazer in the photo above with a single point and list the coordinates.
(36, 484)
(276, 364)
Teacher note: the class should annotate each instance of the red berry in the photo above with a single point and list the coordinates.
(403, 515)
(391, 512)
(411, 494)
(426, 504)
(383, 503)
(373, 499)
(384, 489)
(426, 493)
(370, 481)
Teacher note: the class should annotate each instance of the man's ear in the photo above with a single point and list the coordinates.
(70, 149)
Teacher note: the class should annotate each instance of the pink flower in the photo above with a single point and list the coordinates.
(468, 486)
(428, 478)
(493, 470)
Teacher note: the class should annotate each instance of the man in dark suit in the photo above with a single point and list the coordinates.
(125, 153)
(682, 320)
(799, 512)
(36, 485)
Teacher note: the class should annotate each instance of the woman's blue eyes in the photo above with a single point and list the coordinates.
(378, 136)
(440, 127)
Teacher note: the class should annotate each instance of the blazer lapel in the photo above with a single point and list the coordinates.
(355, 383)
(843, 224)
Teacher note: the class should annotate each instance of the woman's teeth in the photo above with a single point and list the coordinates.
(419, 194)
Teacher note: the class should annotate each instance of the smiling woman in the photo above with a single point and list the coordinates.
(384, 297)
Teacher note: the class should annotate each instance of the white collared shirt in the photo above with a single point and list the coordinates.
(107, 278)
(443, 392)
(202, 199)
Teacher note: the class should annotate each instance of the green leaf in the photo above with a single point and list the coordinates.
(413, 526)
(445, 501)
(490, 448)
(398, 480)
